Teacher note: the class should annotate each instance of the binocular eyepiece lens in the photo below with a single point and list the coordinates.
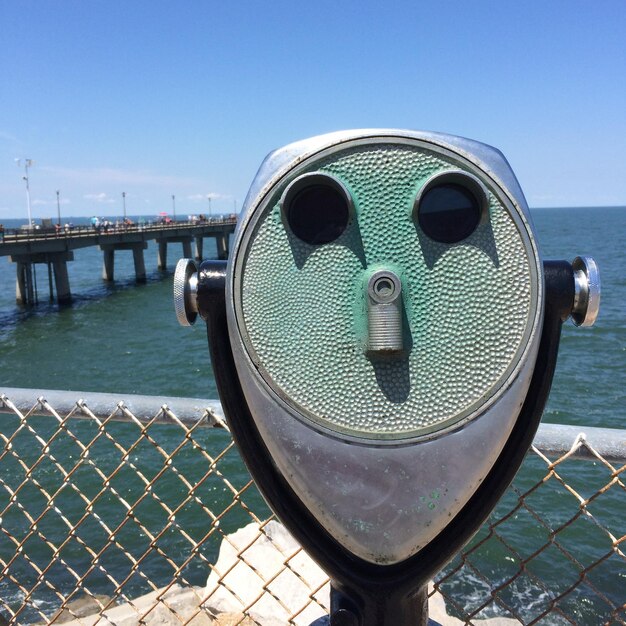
(316, 208)
(450, 207)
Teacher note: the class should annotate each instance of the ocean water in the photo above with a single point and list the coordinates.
(124, 338)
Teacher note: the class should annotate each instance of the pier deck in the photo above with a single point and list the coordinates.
(25, 247)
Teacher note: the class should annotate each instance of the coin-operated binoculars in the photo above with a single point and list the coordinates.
(384, 338)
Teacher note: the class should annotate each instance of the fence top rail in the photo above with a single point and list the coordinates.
(117, 406)
(582, 442)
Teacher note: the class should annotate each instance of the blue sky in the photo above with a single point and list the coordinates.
(160, 98)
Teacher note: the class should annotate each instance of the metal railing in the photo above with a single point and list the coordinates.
(128, 511)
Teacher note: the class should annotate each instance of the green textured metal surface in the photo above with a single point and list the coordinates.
(468, 307)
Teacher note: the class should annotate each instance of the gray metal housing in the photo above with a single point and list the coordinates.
(383, 503)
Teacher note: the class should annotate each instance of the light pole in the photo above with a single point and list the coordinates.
(210, 212)
(174, 206)
(27, 164)
(58, 209)
(124, 204)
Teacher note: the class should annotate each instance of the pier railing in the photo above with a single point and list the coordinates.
(38, 233)
(115, 510)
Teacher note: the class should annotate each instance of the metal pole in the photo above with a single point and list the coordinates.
(30, 219)
(58, 209)
(174, 206)
(27, 164)
(210, 213)
(124, 203)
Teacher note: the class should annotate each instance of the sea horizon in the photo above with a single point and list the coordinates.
(181, 214)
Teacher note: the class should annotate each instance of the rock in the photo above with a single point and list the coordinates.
(271, 560)
(237, 583)
(272, 580)
(83, 606)
(176, 607)
(437, 610)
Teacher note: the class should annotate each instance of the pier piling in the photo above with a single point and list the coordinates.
(108, 263)
(50, 287)
(162, 255)
(221, 242)
(187, 247)
(24, 283)
(199, 245)
(61, 278)
(140, 266)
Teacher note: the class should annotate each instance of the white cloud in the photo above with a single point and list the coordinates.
(40, 202)
(101, 197)
(203, 197)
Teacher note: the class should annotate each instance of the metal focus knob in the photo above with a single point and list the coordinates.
(586, 291)
(185, 291)
(384, 310)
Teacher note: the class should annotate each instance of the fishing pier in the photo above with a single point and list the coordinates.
(54, 247)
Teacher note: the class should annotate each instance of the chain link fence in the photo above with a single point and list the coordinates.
(141, 512)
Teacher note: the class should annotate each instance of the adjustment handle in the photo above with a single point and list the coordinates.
(586, 291)
(185, 292)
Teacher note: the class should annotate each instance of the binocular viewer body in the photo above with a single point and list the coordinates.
(362, 428)
(384, 339)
